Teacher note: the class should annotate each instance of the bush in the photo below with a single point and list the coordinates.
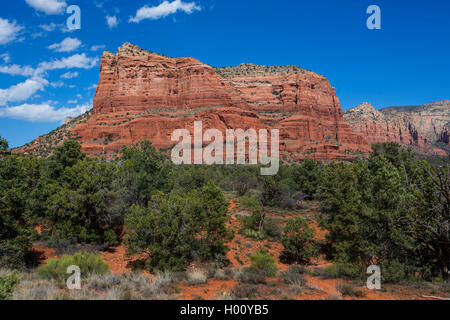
(252, 275)
(250, 202)
(263, 260)
(245, 291)
(294, 276)
(258, 235)
(393, 272)
(7, 284)
(88, 263)
(345, 271)
(175, 228)
(349, 290)
(272, 228)
(298, 242)
(196, 277)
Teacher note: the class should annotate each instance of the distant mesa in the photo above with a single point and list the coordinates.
(425, 128)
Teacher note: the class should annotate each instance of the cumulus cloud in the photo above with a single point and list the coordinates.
(8, 31)
(163, 10)
(69, 75)
(22, 91)
(76, 61)
(67, 45)
(42, 112)
(47, 6)
(16, 70)
(112, 21)
(80, 61)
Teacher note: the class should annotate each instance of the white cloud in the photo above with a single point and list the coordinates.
(57, 84)
(47, 6)
(92, 87)
(72, 101)
(16, 70)
(112, 21)
(5, 57)
(22, 91)
(49, 27)
(99, 47)
(67, 45)
(163, 10)
(76, 61)
(8, 31)
(69, 75)
(42, 112)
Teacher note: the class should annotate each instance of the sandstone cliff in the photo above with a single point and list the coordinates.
(425, 128)
(144, 95)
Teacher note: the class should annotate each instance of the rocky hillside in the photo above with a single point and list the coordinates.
(426, 128)
(144, 95)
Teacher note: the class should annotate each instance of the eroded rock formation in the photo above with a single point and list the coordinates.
(144, 95)
(425, 128)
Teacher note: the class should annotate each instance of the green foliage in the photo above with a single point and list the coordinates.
(89, 264)
(391, 211)
(245, 291)
(298, 241)
(350, 290)
(79, 208)
(294, 276)
(259, 227)
(18, 177)
(254, 221)
(307, 176)
(173, 226)
(345, 271)
(264, 261)
(7, 284)
(250, 202)
(252, 275)
(3, 144)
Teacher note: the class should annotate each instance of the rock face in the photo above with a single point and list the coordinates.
(144, 95)
(426, 128)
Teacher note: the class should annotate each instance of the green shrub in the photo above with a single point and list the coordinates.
(250, 202)
(252, 275)
(393, 272)
(272, 228)
(263, 260)
(7, 284)
(253, 221)
(298, 242)
(258, 235)
(294, 276)
(245, 291)
(344, 271)
(88, 263)
(349, 290)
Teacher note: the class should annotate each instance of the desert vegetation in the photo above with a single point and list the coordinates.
(225, 230)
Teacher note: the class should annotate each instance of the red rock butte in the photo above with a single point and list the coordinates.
(146, 96)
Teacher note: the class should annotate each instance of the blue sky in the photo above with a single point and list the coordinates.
(48, 72)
